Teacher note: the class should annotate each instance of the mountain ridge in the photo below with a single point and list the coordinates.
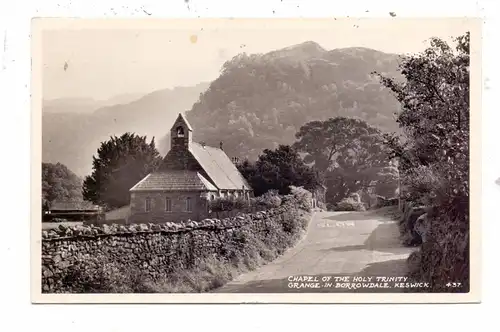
(258, 101)
(261, 100)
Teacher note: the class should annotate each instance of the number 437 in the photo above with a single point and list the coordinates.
(454, 284)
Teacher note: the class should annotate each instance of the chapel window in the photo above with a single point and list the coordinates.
(168, 205)
(189, 204)
(147, 206)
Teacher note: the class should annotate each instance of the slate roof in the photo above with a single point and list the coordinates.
(76, 205)
(173, 180)
(219, 167)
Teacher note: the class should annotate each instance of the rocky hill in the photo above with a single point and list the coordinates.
(261, 100)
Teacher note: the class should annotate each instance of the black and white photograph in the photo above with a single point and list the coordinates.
(255, 157)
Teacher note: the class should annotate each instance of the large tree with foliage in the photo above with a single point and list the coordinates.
(120, 163)
(60, 183)
(278, 170)
(435, 103)
(434, 155)
(349, 153)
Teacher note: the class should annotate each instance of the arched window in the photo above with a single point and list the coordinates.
(180, 131)
(212, 197)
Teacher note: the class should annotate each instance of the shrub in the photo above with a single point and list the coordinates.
(383, 201)
(330, 207)
(101, 275)
(407, 225)
(302, 197)
(228, 204)
(421, 185)
(289, 221)
(271, 199)
(355, 197)
(256, 203)
(349, 204)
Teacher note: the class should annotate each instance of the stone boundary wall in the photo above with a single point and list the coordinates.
(156, 249)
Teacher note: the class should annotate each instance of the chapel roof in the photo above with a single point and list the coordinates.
(174, 180)
(221, 170)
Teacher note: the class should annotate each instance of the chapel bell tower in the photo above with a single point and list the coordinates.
(181, 134)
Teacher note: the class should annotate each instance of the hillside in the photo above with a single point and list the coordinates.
(73, 138)
(261, 100)
(257, 102)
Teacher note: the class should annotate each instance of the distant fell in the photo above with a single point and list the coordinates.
(261, 100)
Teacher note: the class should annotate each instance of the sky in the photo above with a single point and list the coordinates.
(103, 59)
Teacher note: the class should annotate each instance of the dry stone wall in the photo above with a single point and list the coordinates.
(156, 249)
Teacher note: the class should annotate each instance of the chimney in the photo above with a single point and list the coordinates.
(203, 144)
(220, 144)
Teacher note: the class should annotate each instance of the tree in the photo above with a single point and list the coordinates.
(387, 181)
(435, 110)
(120, 163)
(434, 154)
(349, 153)
(59, 183)
(278, 170)
(434, 100)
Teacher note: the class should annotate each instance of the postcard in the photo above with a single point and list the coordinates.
(256, 160)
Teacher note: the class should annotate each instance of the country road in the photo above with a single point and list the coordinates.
(354, 244)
